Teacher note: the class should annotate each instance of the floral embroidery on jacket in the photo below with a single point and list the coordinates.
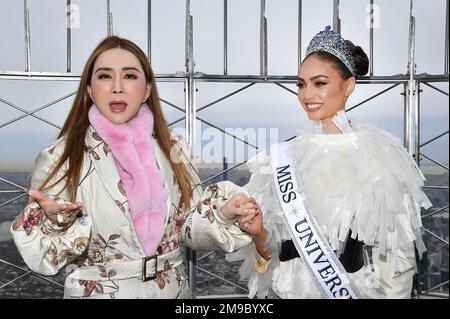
(121, 188)
(213, 195)
(168, 245)
(68, 253)
(31, 216)
(163, 276)
(181, 278)
(92, 152)
(97, 250)
(104, 273)
(106, 149)
(52, 254)
(90, 286)
(78, 246)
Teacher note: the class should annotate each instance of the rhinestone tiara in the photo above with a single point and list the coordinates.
(332, 42)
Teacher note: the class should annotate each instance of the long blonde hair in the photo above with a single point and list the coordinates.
(77, 123)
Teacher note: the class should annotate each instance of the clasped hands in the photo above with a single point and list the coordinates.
(247, 211)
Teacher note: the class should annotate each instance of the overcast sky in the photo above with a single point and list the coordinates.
(263, 105)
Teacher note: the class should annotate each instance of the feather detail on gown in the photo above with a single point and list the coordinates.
(363, 181)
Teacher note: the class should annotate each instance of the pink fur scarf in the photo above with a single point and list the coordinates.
(133, 151)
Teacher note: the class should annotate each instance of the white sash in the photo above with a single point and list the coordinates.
(329, 275)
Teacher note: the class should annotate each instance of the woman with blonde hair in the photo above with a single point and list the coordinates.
(116, 193)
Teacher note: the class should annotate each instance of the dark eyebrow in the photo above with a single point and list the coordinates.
(127, 68)
(313, 78)
(319, 76)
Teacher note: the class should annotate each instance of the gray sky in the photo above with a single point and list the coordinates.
(260, 106)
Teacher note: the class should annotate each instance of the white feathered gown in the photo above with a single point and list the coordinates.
(361, 180)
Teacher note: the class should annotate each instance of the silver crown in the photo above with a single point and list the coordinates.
(332, 42)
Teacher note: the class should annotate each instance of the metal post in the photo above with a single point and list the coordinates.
(190, 125)
(446, 55)
(186, 37)
(417, 124)
(186, 106)
(225, 169)
(299, 30)
(225, 37)
(69, 37)
(26, 16)
(109, 19)
(371, 38)
(263, 40)
(336, 18)
(266, 51)
(149, 31)
(411, 83)
(190, 107)
(405, 115)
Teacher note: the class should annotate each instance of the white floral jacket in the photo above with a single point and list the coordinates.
(103, 239)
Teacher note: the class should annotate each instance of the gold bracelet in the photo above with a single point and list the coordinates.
(262, 265)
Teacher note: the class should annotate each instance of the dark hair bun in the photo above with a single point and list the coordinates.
(361, 59)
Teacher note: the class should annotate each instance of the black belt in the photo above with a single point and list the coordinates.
(351, 258)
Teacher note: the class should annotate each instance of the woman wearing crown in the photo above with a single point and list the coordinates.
(341, 202)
